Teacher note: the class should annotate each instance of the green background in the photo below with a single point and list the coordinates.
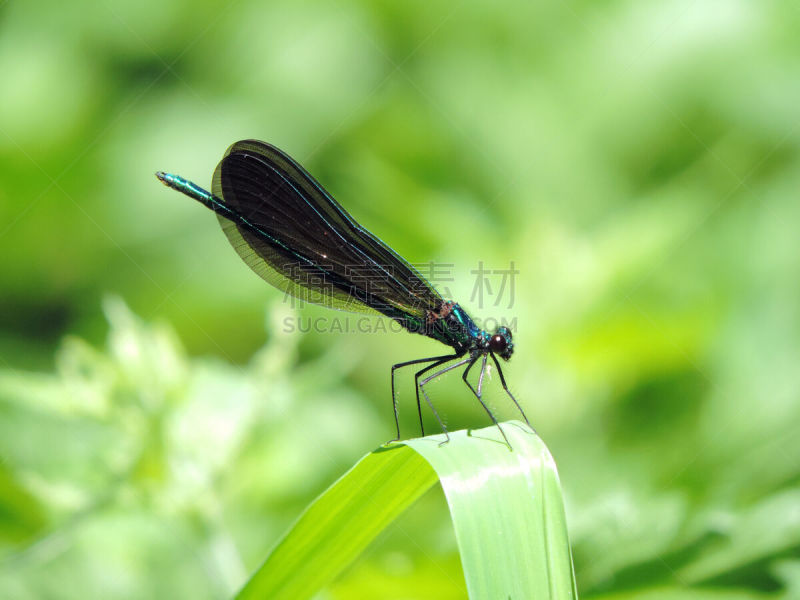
(638, 163)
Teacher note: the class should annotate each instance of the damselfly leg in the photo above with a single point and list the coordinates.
(479, 393)
(510, 395)
(437, 360)
(428, 400)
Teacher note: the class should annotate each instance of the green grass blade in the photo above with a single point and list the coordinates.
(506, 508)
(507, 511)
(339, 524)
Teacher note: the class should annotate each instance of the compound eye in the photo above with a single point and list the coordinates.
(497, 343)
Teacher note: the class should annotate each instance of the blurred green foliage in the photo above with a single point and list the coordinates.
(639, 163)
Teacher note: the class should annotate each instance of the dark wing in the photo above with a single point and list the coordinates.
(294, 235)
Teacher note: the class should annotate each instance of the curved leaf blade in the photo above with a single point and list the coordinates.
(507, 510)
(506, 507)
(340, 523)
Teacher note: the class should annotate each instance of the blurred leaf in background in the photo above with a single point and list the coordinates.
(638, 164)
(137, 470)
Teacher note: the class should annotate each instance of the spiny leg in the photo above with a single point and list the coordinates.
(394, 396)
(464, 377)
(510, 395)
(466, 372)
(479, 393)
(428, 400)
(416, 387)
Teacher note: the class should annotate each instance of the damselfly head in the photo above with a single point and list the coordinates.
(500, 343)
